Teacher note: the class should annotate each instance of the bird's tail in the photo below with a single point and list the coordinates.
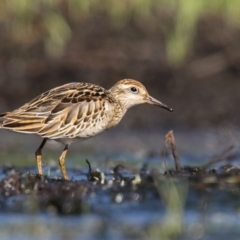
(2, 115)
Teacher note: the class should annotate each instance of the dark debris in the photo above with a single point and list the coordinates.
(57, 196)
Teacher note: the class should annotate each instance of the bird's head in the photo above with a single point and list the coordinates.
(130, 92)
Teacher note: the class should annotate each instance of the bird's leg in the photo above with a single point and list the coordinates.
(62, 162)
(38, 155)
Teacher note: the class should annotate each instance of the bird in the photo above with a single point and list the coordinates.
(74, 112)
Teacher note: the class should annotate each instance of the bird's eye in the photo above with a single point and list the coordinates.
(133, 90)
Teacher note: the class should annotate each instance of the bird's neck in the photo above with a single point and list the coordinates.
(119, 111)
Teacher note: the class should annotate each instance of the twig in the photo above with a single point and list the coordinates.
(169, 139)
(94, 175)
(217, 158)
(89, 167)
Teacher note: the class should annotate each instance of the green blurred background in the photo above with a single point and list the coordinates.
(187, 53)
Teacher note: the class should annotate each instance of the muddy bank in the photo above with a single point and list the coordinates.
(117, 184)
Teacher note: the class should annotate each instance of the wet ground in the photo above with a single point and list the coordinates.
(159, 192)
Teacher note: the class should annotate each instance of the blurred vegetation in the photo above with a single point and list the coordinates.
(50, 21)
(174, 197)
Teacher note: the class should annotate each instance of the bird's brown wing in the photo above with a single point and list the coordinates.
(60, 112)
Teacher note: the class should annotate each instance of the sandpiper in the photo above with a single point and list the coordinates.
(74, 112)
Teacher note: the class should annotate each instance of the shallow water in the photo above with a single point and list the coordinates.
(208, 213)
(218, 219)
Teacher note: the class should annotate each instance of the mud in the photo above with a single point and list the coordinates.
(122, 183)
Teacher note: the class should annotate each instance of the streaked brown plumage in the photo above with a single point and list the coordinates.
(75, 111)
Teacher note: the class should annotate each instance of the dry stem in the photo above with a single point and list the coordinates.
(170, 140)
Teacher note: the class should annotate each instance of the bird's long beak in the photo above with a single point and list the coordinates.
(155, 102)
